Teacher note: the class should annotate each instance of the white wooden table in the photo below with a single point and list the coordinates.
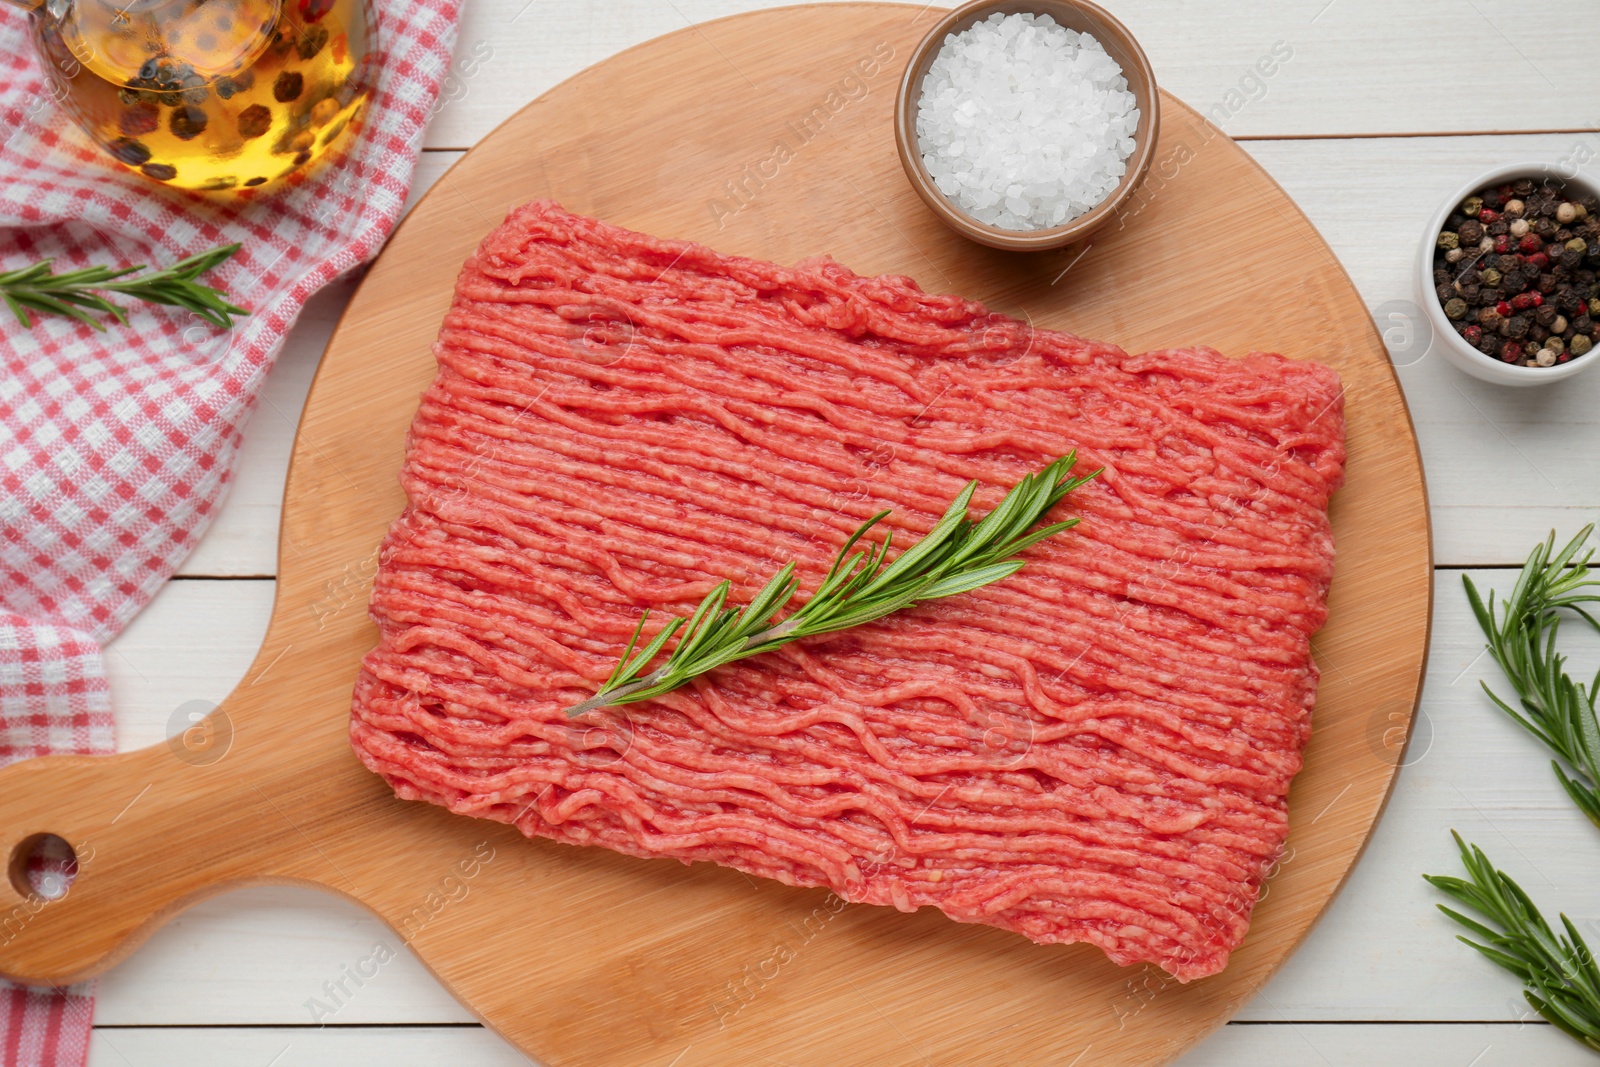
(1383, 108)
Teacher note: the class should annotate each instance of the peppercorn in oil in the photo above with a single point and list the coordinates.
(210, 94)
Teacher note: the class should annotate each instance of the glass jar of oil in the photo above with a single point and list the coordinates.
(213, 95)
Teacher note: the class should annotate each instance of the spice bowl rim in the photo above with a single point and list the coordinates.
(1117, 40)
(1456, 350)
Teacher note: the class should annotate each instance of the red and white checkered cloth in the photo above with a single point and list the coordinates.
(116, 448)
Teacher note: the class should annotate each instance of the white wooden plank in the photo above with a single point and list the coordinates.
(1461, 1045)
(335, 1046)
(192, 643)
(271, 954)
(1381, 952)
(1355, 66)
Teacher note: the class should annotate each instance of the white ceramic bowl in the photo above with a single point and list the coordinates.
(1456, 350)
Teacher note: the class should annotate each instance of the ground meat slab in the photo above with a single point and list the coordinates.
(1096, 749)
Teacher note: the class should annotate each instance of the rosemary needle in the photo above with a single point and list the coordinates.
(38, 289)
(956, 556)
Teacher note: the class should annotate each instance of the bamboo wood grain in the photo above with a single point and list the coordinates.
(587, 959)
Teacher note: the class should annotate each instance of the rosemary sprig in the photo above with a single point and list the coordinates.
(1521, 631)
(37, 289)
(956, 556)
(1559, 973)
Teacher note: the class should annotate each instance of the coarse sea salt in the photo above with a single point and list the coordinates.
(1023, 123)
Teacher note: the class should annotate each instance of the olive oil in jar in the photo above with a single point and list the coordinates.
(211, 95)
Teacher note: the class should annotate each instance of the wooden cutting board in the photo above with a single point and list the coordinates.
(587, 959)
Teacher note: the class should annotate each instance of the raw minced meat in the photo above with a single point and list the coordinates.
(1095, 749)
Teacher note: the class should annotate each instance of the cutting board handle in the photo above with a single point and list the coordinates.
(153, 831)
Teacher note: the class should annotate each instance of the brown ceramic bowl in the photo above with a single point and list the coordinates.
(1075, 15)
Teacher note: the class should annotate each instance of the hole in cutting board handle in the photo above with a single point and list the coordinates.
(43, 866)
